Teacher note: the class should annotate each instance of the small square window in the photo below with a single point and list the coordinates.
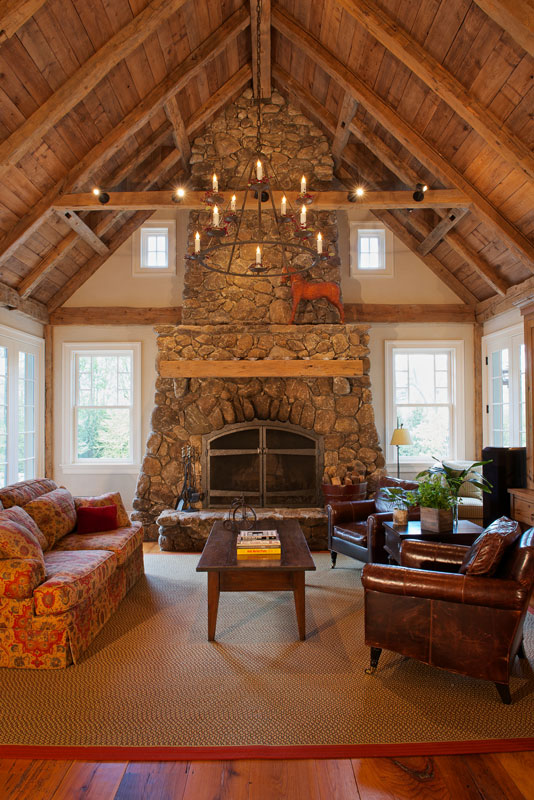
(154, 249)
(371, 250)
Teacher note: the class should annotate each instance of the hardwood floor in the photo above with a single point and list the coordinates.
(500, 776)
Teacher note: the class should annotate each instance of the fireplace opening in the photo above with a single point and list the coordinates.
(272, 464)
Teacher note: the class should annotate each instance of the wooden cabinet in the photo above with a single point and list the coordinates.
(522, 506)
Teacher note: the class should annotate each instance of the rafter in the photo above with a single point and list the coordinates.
(113, 141)
(9, 298)
(442, 228)
(514, 16)
(418, 146)
(84, 231)
(341, 136)
(181, 139)
(14, 13)
(263, 89)
(446, 86)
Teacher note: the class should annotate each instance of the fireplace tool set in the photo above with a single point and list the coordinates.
(189, 493)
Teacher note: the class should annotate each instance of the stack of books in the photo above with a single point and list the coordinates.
(258, 544)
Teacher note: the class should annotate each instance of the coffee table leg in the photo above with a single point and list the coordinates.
(213, 603)
(300, 606)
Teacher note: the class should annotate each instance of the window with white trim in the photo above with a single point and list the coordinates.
(504, 388)
(21, 406)
(425, 393)
(371, 250)
(102, 393)
(154, 248)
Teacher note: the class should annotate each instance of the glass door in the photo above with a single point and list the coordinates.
(504, 388)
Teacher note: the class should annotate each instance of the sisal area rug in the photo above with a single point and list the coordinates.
(151, 680)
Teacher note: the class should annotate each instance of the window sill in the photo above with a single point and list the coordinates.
(100, 469)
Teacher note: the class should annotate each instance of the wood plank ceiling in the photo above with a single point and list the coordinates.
(111, 92)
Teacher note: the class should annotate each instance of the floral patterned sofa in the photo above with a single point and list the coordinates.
(58, 586)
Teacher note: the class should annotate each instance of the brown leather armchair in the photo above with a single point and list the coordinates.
(355, 526)
(437, 608)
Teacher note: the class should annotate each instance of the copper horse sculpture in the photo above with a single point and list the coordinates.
(301, 289)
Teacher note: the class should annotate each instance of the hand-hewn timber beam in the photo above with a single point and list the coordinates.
(330, 200)
(447, 223)
(75, 88)
(116, 315)
(143, 152)
(225, 94)
(263, 39)
(84, 231)
(418, 146)
(408, 312)
(181, 139)
(9, 298)
(514, 16)
(384, 153)
(304, 100)
(341, 136)
(516, 296)
(14, 13)
(430, 71)
(132, 122)
(291, 368)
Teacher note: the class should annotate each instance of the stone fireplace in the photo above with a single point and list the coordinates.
(291, 431)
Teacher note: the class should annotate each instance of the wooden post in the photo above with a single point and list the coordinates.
(49, 401)
(522, 500)
(477, 347)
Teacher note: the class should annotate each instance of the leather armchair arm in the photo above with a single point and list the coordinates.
(376, 536)
(480, 591)
(349, 511)
(432, 555)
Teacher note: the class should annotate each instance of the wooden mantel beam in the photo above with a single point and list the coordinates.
(514, 16)
(262, 89)
(403, 131)
(442, 82)
(330, 200)
(14, 13)
(265, 368)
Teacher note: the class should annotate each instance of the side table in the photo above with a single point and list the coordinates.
(466, 533)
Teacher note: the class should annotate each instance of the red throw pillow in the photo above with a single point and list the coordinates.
(94, 520)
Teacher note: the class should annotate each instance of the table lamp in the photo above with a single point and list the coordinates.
(400, 437)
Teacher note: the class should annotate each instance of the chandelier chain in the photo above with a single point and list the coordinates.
(258, 73)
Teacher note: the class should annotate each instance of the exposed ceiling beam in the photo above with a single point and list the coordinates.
(227, 92)
(418, 146)
(446, 86)
(261, 38)
(436, 235)
(181, 139)
(14, 13)
(116, 315)
(132, 161)
(341, 136)
(120, 46)
(516, 297)
(9, 298)
(84, 231)
(397, 167)
(514, 16)
(407, 312)
(132, 122)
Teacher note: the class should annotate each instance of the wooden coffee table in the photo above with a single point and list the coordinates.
(226, 574)
(395, 534)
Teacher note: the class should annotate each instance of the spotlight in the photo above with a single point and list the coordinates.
(264, 196)
(96, 191)
(419, 193)
(103, 197)
(360, 191)
(178, 195)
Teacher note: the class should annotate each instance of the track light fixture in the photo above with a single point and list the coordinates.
(357, 194)
(178, 195)
(419, 194)
(103, 197)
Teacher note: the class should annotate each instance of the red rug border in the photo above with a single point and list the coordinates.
(286, 752)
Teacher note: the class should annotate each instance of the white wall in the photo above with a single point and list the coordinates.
(114, 478)
(16, 320)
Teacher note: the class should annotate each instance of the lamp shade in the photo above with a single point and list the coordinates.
(401, 437)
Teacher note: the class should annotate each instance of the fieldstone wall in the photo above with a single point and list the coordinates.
(339, 409)
(295, 147)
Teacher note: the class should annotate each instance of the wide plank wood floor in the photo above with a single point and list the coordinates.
(499, 776)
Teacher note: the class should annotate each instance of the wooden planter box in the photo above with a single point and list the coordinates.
(436, 519)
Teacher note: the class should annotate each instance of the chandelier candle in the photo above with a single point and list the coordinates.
(215, 184)
(303, 185)
(259, 170)
(215, 217)
(283, 206)
(197, 242)
(233, 202)
(319, 243)
(303, 215)
(258, 255)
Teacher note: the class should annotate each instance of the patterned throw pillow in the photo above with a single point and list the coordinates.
(487, 550)
(54, 513)
(16, 541)
(17, 514)
(112, 498)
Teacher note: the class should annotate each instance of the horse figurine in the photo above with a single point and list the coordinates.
(301, 289)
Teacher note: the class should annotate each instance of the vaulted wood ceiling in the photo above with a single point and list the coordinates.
(112, 92)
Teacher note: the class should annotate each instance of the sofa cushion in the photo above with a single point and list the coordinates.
(20, 576)
(123, 520)
(485, 553)
(17, 514)
(18, 541)
(54, 513)
(470, 508)
(95, 520)
(466, 489)
(122, 541)
(354, 532)
(71, 578)
(18, 494)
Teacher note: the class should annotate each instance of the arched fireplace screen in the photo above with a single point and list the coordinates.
(272, 464)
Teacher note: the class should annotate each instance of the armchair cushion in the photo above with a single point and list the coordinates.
(487, 550)
(355, 532)
(437, 556)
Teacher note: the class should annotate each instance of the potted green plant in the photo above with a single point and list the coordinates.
(403, 500)
(454, 478)
(436, 501)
